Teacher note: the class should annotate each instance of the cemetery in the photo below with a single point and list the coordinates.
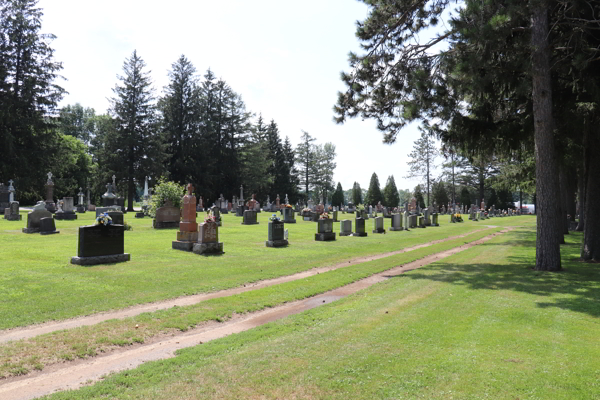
(170, 231)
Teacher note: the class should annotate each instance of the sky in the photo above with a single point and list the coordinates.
(284, 58)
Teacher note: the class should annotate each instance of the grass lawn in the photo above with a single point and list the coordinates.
(38, 283)
(479, 324)
(23, 356)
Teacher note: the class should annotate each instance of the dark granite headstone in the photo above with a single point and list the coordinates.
(359, 227)
(12, 212)
(4, 198)
(249, 218)
(325, 231)
(99, 244)
(116, 217)
(47, 226)
(276, 234)
(288, 215)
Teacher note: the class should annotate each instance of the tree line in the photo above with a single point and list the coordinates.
(197, 130)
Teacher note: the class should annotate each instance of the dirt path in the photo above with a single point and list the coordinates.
(40, 329)
(76, 374)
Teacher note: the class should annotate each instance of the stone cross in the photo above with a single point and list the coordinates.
(241, 193)
(80, 196)
(146, 188)
(287, 201)
(49, 178)
(11, 191)
(114, 185)
(190, 189)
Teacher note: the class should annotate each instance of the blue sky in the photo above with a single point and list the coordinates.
(283, 57)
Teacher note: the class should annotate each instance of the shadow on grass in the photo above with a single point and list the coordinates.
(575, 288)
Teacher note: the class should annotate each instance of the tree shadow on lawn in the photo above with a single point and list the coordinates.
(575, 288)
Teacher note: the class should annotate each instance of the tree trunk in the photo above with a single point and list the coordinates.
(131, 186)
(564, 200)
(547, 245)
(580, 196)
(572, 190)
(591, 226)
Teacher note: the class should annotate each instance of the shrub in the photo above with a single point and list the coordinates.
(164, 191)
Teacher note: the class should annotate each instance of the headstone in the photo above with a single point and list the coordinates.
(325, 231)
(276, 234)
(80, 205)
(277, 203)
(99, 244)
(47, 226)
(396, 222)
(34, 217)
(109, 198)
(66, 210)
(208, 240)
(188, 228)
(434, 220)
(116, 216)
(346, 228)
(287, 200)
(101, 210)
(249, 218)
(11, 213)
(216, 213)
(421, 221)
(412, 221)
(223, 204)
(239, 211)
(200, 206)
(251, 203)
(4, 198)
(167, 217)
(359, 227)
(11, 191)
(406, 220)
(50, 206)
(378, 225)
(427, 216)
(288, 215)
(413, 204)
(335, 216)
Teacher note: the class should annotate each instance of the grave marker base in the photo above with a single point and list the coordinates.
(140, 215)
(378, 230)
(345, 233)
(185, 246)
(111, 259)
(208, 248)
(65, 216)
(325, 237)
(13, 217)
(31, 230)
(165, 225)
(360, 234)
(396, 229)
(276, 243)
(48, 232)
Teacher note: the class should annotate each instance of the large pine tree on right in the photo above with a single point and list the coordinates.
(490, 91)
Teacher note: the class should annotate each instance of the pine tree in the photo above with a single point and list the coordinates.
(374, 195)
(323, 167)
(28, 97)
(180, 110)
(292, 182)
(138, 144)
(465, 197)
(337, 199)
(418, 195)
(305, 159)
(256, 162)
(440, 195)
(423, 161)
(278, 168)
(356, 194)
(390, 193)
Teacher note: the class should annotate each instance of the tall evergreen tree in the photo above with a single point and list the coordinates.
(374, 195)
(28, 96)
(180, 110)
(418, 195)
(292, 182)
(337, 199)
(278, 167)
(138, 143)
(323, 166)
(256, 161)
(305, 159)
(422, 161)
(440, 195)
(356, 194)
(391, 198)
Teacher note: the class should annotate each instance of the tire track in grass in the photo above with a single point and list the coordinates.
(52, 326)
(77, 374)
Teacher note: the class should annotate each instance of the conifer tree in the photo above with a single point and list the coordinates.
(138, 144)
(292, 182)
(256, 161)
(391, 198)
(418, 195)
(422, 161)
(28, 97)
(337, 199)
(356, 194)
(305, 158)
(440, 195)
(374, 193)
(180, 110)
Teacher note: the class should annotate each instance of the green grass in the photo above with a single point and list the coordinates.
(479, 324)
(38, 283)
(88, 341)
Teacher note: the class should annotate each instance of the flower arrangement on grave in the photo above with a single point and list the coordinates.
(274, 218)
(458, 217)
(324, 216)
(103, 219)
(209, 217)
(306, 209)
(287, 205)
